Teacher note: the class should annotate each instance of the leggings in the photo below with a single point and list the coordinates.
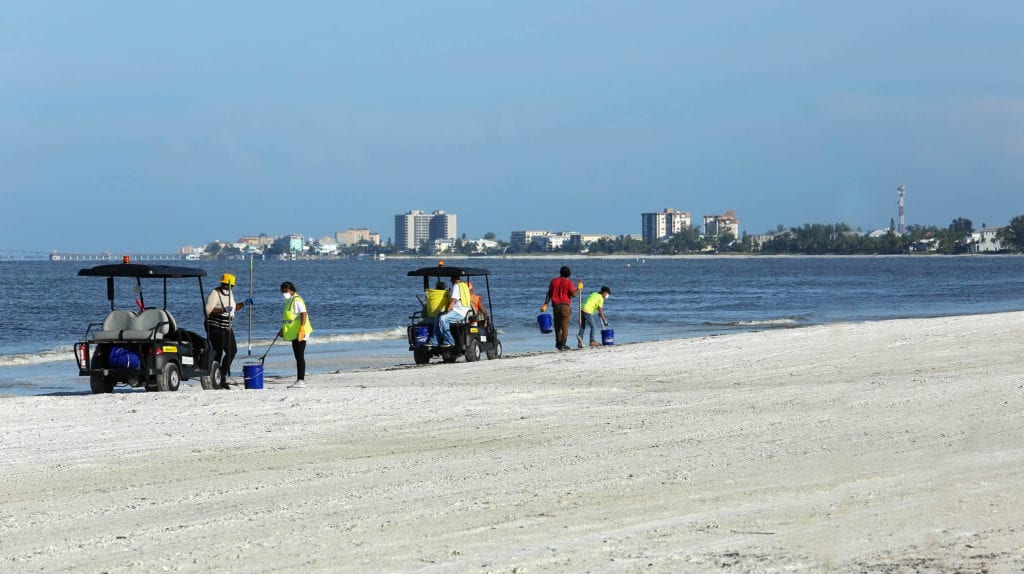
(224, 348)
(299, 349)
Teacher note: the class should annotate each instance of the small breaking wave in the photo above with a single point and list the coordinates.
(383, 335)
(783, 322)
(41, 358)
(66, 354)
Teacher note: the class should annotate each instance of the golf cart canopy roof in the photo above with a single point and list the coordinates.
(447, 271)
(141, 270)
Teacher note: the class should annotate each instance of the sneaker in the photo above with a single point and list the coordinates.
(297, 385)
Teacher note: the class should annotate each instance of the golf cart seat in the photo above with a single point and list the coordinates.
(118, 321)
(150, 324)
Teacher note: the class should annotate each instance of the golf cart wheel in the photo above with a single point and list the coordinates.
(100, 385)
(449, 357)
(421, 356)
(170, 379)
(495, 351)
(214, 379)
(473, 351)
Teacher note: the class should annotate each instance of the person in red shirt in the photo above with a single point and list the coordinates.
(561, 290)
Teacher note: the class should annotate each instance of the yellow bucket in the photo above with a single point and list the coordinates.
(437, 300)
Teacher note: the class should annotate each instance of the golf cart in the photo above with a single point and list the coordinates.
(474, 335)
(144, 347)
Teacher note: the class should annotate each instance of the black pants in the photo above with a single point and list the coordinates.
(299, 349)
(224, 348)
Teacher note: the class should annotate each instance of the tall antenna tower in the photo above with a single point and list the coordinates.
(902, 228)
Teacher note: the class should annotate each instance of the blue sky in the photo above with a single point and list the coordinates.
(144, 126)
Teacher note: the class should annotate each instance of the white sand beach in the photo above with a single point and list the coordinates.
(893, 446)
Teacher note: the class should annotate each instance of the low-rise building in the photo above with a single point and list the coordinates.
(259, 241)
(758, 240)
(484, 244)
(553, 240)
(584, 240)
(523, 239)
(352, 236)
(985, 240)
(444, 245)
(715, 225)
(326, 245)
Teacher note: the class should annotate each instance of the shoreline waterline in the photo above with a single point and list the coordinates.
(361, 308)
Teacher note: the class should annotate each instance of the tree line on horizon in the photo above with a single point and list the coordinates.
(816, 239)
(809, 239)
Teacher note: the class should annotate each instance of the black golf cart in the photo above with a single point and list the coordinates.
(144, 347)
(474, 335)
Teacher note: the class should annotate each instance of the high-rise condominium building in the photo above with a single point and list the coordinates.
(659, 226)
(415, 227)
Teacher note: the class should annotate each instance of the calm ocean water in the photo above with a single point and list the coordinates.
(359, 308)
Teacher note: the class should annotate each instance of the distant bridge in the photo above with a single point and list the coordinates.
(10, 255)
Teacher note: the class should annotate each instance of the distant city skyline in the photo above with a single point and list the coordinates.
(129, 126)
(665, 222)
(676, 220)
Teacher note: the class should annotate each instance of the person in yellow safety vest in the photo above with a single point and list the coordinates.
(593, 303)
(295, 327)
(459, 304)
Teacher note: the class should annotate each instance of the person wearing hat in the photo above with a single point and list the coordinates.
(595, 302)
(220, 313)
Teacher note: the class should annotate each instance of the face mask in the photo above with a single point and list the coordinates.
(287, 296)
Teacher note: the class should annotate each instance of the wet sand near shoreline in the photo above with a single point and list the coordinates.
(882, 446)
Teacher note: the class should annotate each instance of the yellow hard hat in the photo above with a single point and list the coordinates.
(227, 279)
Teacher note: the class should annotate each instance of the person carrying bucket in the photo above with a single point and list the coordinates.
(560, 293)
(220, 312)
(595, 302)
(295, 326)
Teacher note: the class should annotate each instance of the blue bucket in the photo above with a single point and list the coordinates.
(420, 335)
(253, 376)
(607, 336)
(545, 323)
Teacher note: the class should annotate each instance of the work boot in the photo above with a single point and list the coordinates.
(595, 344)
(579, 342)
